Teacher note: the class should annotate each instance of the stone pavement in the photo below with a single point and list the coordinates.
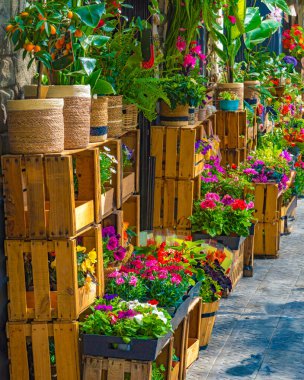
(259, 330)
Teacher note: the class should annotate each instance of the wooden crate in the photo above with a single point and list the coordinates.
(288, 214)
(193, 332)
(210, 125)
(233, 156)
(40, 303)
(53, 196)
(174, 149)
(232, 129)
(248, 256)
(115, 219)
(131, 215)
(180, 347)
(29, 350)
(99, 368)
(267, 202)
(237, 267)
(132, 140)
(267, 240)
(173, 202)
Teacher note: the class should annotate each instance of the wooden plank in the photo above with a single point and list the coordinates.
(60, 183)
(232, 129)
(92, 368)
(116, 370)
(67, 285)
(16, 283)
(84, 215)
(185, 203)
(41, 352)
(67, 350)
(243, 129)
(272, 238)
(259, 201)
(36, 214)
(171, 151)
(259, 239)
(168, 206)
(187, 153)
(19, 369)
(14, 206)
(157, 215)
(220, 126)
(131, 212)
(140, 370)
(40, 265)
(165, 359)
(271, 203)
(157, 148)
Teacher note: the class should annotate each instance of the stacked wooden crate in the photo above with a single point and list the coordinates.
(177, 171)
(53, 203)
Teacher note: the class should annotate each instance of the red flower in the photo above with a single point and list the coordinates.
(208, 204)
(297, 165)
(233, 166)
(153, 302)
(239, 204)
(275, 81)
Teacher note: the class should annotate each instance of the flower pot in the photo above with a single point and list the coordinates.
(76, 111)
(250, 91)
(35, 126)
(115, 116)
(277, 91)
(237, 88)
(229, 105)
(129, 117)
(99, 119)
(207, 322)
(178, 117)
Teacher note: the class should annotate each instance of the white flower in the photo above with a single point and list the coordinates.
(138, 318)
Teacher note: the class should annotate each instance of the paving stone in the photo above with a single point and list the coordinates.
(259, 330)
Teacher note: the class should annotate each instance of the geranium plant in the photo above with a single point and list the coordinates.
(116, 317)
(112, 250)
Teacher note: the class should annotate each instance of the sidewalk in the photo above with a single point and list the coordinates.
(259, 330)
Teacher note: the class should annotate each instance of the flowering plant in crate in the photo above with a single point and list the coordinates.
(127, 157)
(222, 217)
(107, 167)
(113, 316)
(112, 250)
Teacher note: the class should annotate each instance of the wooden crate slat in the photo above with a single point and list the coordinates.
(171, 152)
(40, 265)
(259, 201)
(41, 352)
(131, 215)
(271, 203)
(187, 153)
(116, 370)
(185, 198)
(36, 212)
(232, 129)
(67, 285)
(67, 350)
(60, 182)
(16, 287)
(92, 368)
(132, 140)
(15, 223)
(157, 202)
(157, 147)
(169, 197)
(140, 370)
(19, 369)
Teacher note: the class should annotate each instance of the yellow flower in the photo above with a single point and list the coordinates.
(89, 266)
(80, 248)
(53, 264)
(84, 266)
(92, 255)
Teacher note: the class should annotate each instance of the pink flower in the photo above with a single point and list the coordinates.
(133, 281)
(232, 19)
(189, 61)
(202, 57)
(208, 204)
(196, 50)
(151, 277)
(181, 43)
(162, 274)
(176, 279)
(114, 274)
(212, 197)
(250, 205)
(120, 281)
(113, 319)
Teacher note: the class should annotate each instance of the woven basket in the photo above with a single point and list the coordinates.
(250, 90)
(76, 112)
(99, 119)
(35, 126)
(115, 116)
(179, 117)
(129, 117)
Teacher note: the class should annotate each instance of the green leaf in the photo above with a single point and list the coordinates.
(88, 64)
(277, 4)
(47, 28)
(102, 87)
(39, 8)
(91, 14)
(252, 19)
(260, 34)
(63, 62)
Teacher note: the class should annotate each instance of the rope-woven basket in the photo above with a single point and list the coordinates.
(129, 117)
(35, 126)
(115, 116)
(99, 119)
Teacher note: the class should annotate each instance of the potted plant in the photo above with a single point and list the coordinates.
(229, 101)
(128, 330)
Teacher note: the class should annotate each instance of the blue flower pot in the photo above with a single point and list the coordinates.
(229, 105)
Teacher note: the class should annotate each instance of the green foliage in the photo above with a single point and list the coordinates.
(228, 95)
(158, 372)
(127, 291)
(107, 167)
(210, 290)
(298, 187)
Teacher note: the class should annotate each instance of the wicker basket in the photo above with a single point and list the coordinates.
(76, 112)
(36, 126)
(99, 119)
(115, 116)
(129, 117)
(250, 90)
(179, 117)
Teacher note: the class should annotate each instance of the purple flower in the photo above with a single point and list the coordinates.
(258, 163)
(290, 60)
(110, 297)
(227, 200)
(133, 281)
(120, 254)
(108, 231)
(249, 158)
(250, 171)
(286, 155)
(112, 243)
(208, 166)
(104, 307)
(212, 197)
(126, 314)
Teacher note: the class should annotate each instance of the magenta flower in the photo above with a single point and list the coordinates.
(196, 50)
(212, 197)
(232, 19)
(250, 205)
(114, 274)
(162, 274)
(208, 204)
(112, 243)
(126, 314)
(133, 281)
(120, 254)
(213, 178)
(189, 61)
(119, 281)
(176, 278)
(104, 307)
(181, 43)
(250, 171)
(227, 200)
(286, 155)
